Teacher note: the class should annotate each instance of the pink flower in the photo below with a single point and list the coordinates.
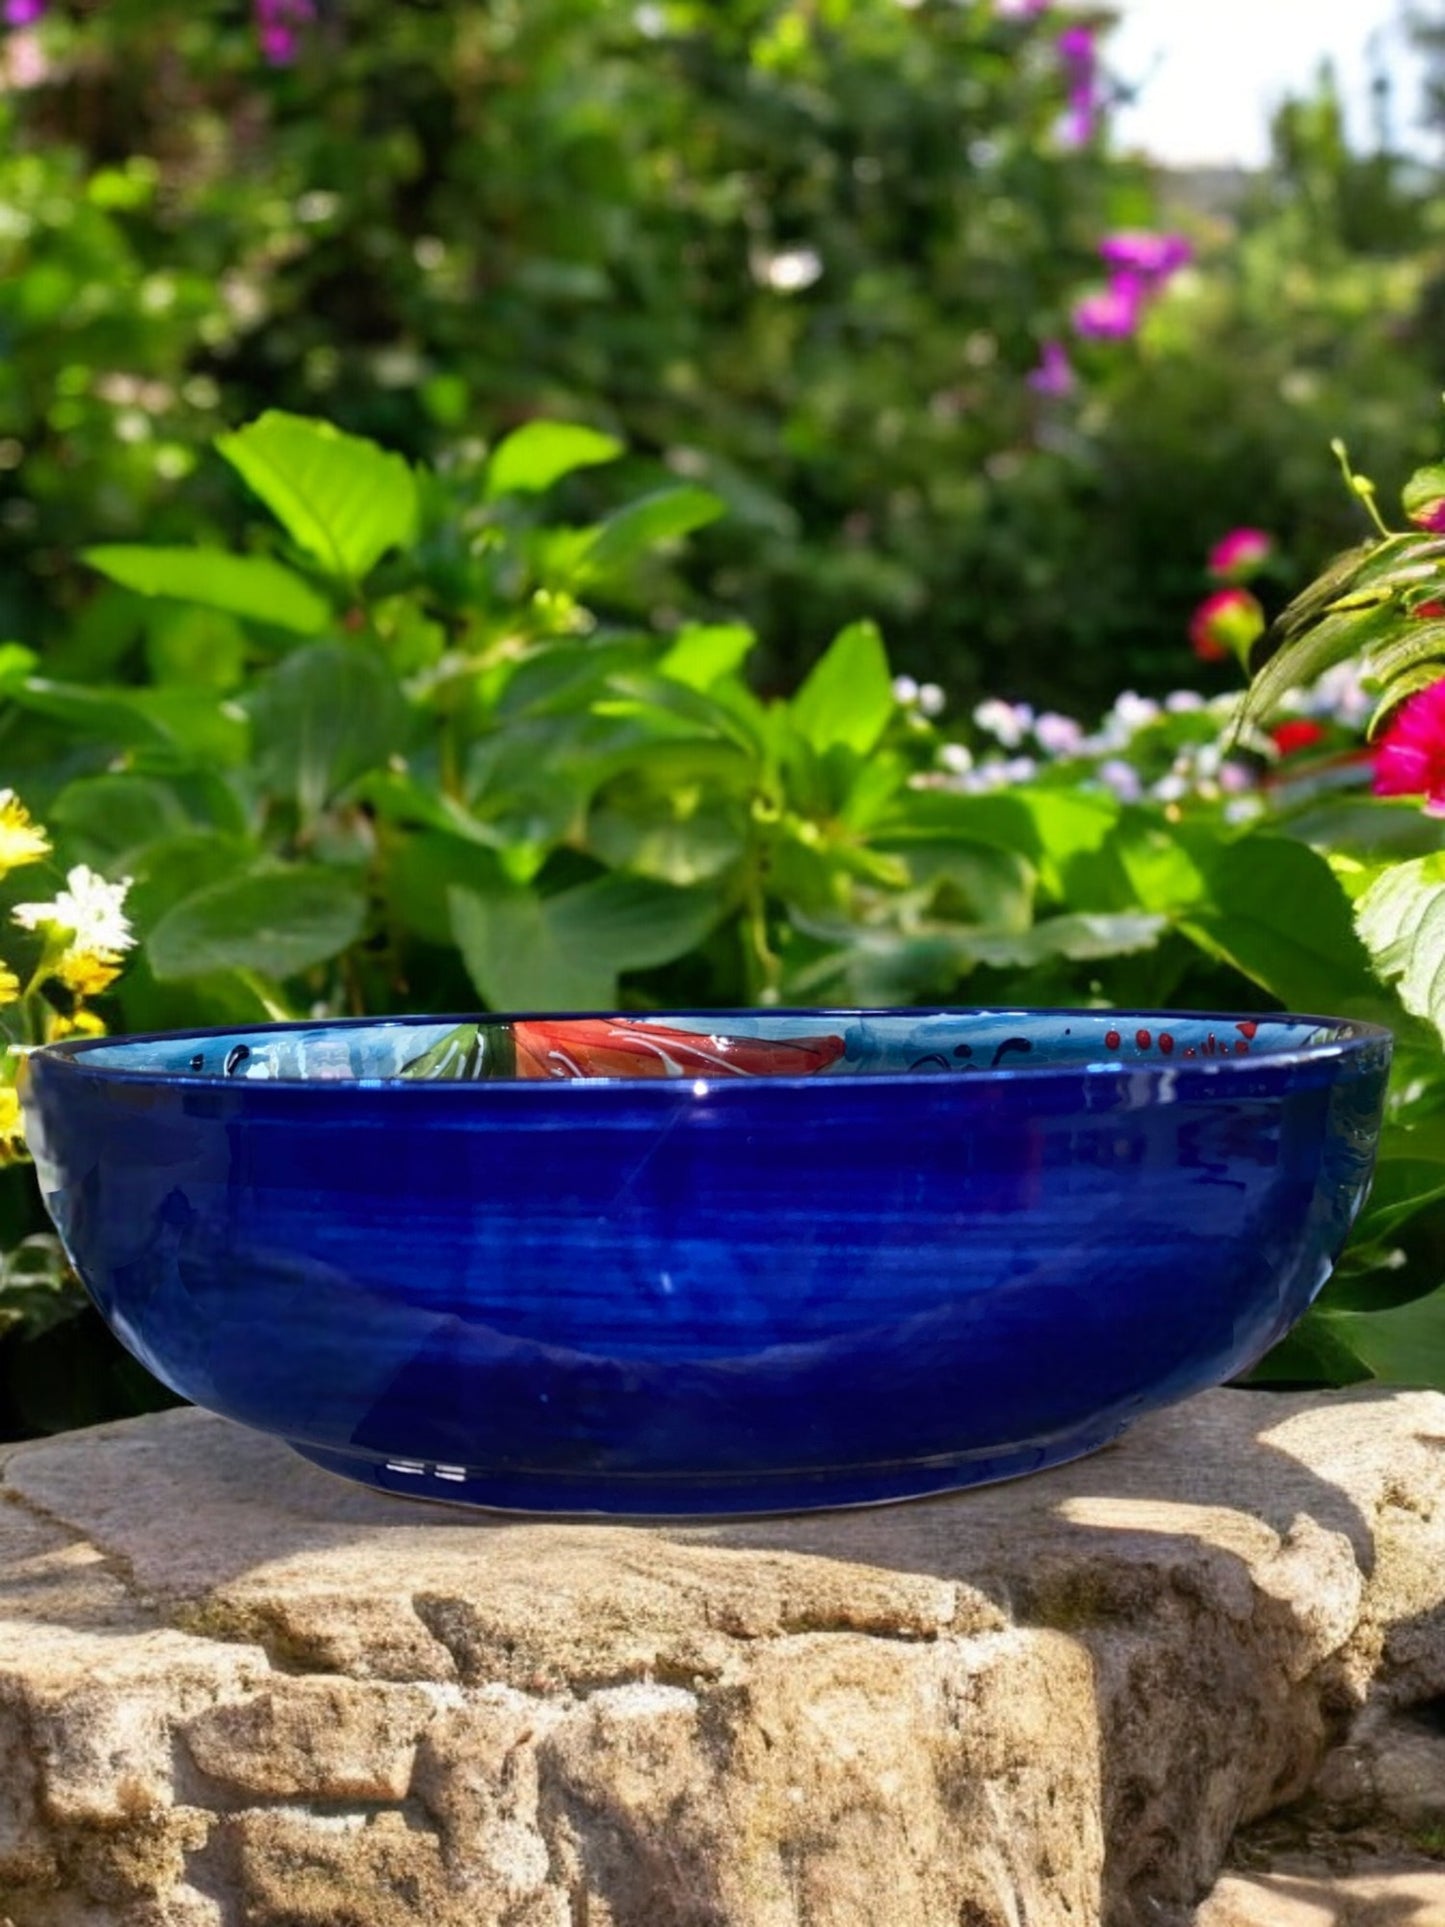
(1022, 9)
(277, 28)
(1430, 516)
(1411, 758)
(1079, 54)
(1154, 257)
(1054, 374)
(1225, 624)
(1236, 556)
(1114, 313)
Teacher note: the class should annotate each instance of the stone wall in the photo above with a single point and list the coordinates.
(234, 1690)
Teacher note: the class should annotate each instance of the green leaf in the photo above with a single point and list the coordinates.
(538, 454)
(705, 652)
(187, 726)
(1401, 920)
(274, 921)
(847, 697)
(1319, 1351)
(1276, 911)
(528, 952)
(250, 586)
(1335, 639)
(114, 814)
(1424, 492)
(645, 524)
(340, 498)
(326, 715)
(1081, 937)
(1404, 1345)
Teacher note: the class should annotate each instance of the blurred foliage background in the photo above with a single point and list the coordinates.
(803, 251)
(814, 269)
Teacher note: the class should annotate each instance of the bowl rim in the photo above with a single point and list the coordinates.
(1363, 1037)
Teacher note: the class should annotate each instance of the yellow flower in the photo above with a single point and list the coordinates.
(21, 841)
(9, 984)
(80, 1023)
(9, 1117)
(88, 972)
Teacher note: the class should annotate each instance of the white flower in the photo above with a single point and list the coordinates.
(905, 690)
(1020, 769)
(1134, 711)
(790, 270)
(91, 909)
(1122, 778)
(1169, 789)
(931, 699)
(1009, 723)
(1058, 735)
(955, 758)
(1180, 702)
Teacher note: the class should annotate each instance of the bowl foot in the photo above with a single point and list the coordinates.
(583, 1494)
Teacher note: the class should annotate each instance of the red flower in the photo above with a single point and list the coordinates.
(1411, 758)
(1225, 624)
(1290, 738)
(619, 1047)
(1428, 611)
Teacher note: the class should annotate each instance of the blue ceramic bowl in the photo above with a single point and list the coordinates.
(704, 1264)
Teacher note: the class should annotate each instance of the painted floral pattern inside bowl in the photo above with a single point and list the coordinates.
(730, 1262)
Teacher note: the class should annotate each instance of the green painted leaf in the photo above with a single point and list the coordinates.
(340, 498)
(528, 952)
(251, 586)
(645, 524)
(538, 454)
(1401, 920)
(273, 921)
(847, 697)
(323, 717)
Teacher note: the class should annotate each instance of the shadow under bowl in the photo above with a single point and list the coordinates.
(702, 1264)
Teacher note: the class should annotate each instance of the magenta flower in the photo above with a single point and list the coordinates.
(23, 13)
(1153, 257)
(278, 24)
(1430, 516)
(1114, 313)
(1225, 624)
(1079, 53)
(1236, 556)
(1411, 758)
(1054, 374)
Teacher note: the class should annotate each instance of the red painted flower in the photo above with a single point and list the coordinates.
(617, 1047)
(1299, 734)
(1225, 624)
(1237, 555)
(1411, 758)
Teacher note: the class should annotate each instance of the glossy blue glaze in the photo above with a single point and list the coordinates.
(908, 1272)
